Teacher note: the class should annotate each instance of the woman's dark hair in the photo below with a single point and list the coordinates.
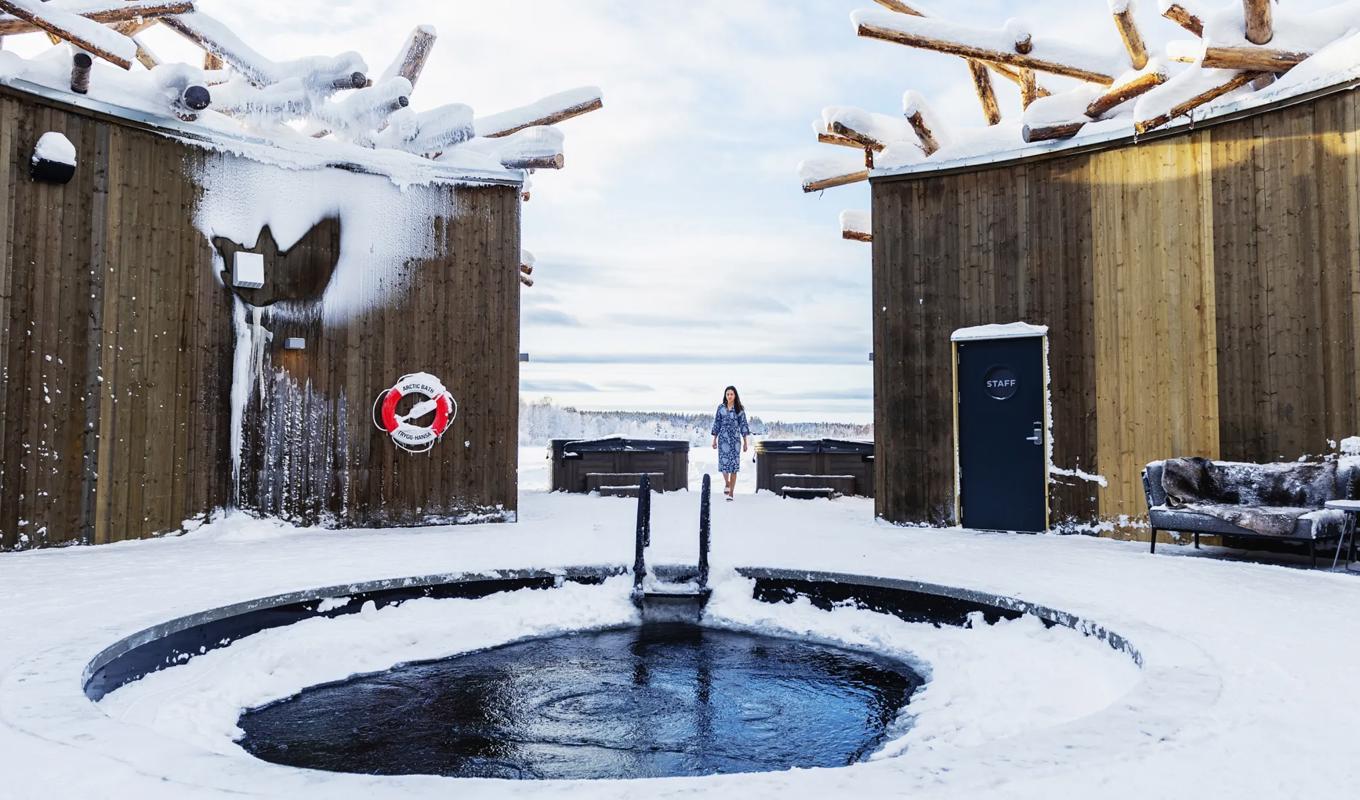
(736, 399)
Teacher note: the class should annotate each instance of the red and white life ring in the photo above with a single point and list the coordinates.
(409, 437)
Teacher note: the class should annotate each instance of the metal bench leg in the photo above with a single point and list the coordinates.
(1196, 540)
(1312, 550)
(1154, 541)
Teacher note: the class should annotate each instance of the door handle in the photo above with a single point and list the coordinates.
(1038, 437)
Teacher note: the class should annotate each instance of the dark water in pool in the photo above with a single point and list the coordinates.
(629, 703)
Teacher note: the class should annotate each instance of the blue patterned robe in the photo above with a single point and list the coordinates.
(729, 427)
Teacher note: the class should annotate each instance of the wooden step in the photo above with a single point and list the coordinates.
(809, 492)
(618, 491)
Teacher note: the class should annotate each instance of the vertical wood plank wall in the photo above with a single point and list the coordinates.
(117, 343)
(1202, 293)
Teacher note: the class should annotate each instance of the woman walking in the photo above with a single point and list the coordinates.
(729, 425)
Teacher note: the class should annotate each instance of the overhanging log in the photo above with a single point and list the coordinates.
(148, 11)
(872, 31)
(247, 64)
(67, 26)
(554, 161)
(1009, 73)
(1185, 18)
(1256, 15)
(547, 118)
(1124, 92)
(1259, 59)
(854, 138)
(836, 180)
(857, 236)
(1043, 133)
(841, 141)
(1128, 31)
(411, 61)
(1236, 82)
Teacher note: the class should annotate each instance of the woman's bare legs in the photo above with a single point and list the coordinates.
(730, 483)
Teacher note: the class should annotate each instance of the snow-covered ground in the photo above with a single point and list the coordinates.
(1247, 668)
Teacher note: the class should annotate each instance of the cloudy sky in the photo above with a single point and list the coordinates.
(676, 252)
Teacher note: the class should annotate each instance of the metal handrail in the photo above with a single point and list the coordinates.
(704, 531)
(643, 534)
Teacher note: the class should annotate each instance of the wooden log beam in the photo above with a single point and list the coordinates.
(1128, 31)
(212, 61)
(1185, 18)
(840, 141)
(1258, 59)
(857, 236)
(551, 118)
(134, 27)
(856, 139)
(1124, 92)
(245, 63)
(80, 72)
(55, 24)
(1236, 82)
(917, 120)
(837, 180)
(1043, 133)
(1029, 88)
(143, 13)
(982, 86)
(871, 31)
(525, 279)
(527, 269)
(1009, 73)
(1256, 15)
(145, 56)
(411, 61)
(555, 161)
(1017, 77)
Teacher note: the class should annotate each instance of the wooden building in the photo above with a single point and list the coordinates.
(1200, 283)
(147, 386)
(1201, 290)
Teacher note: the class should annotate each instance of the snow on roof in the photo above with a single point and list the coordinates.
(1010, 330)
(311, 111)
(1146, 86)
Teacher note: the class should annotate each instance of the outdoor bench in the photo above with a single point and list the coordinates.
(1246, 503)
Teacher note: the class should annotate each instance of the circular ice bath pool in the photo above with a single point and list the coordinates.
(388, 680)
(645, 701)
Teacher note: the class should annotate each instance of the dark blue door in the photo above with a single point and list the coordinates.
(1003, 462)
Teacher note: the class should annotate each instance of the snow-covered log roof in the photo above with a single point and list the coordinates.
(326, 108)
(1247, 53)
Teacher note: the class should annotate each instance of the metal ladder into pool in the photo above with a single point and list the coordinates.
(660, 600)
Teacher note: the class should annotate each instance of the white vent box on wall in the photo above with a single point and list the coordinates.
(247, 270)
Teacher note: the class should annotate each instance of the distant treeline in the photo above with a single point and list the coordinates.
(541, 421)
